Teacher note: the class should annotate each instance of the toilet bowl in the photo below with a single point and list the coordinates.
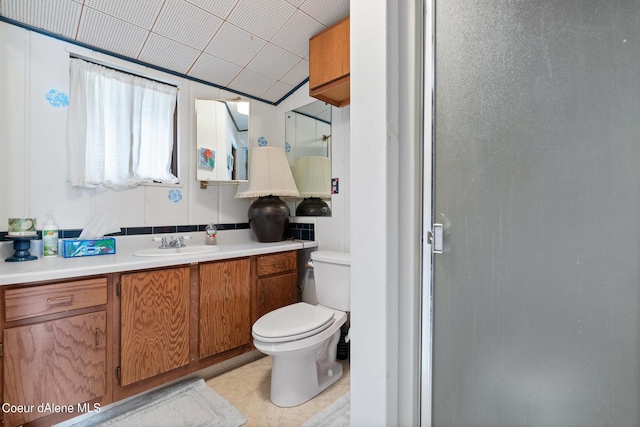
(303, 338)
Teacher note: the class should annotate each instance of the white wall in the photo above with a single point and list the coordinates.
(385, 199)
(33, 143)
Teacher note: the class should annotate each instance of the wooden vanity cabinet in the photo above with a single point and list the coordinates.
(224, 306)
(97, 340)
(153, 312)
(329, 64)
(276, 282)
(55, 350)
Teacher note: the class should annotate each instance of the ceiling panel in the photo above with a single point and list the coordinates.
(124, 38)
(277, 91)
(186, 24)
(57, 16)
(169, 54)
(256, 47)
(235, 45)
(273, 61)
(295, 33)
(220, 8)
(209, 67)
(142, 13)
(297, 74)
(261, 17)
(252, 82)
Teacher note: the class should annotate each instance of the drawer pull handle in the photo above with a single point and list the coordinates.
(97, 337)
(60, 300)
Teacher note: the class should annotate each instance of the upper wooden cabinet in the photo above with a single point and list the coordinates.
(329, 67)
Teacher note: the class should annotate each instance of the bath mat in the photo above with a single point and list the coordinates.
(189, 403)
(338, 414)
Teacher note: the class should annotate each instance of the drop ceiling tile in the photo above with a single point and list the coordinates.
(276, 92)
(142, 13)
(327, 11)
(186, 24)
(235, 45)
(261, 17)
(168, 54)
(220, 8)
(106, 32)
(297, 74)
(55, 16)
(273, 62)
(296, 3)
(214, 70)
(251, 83)
(295, 34)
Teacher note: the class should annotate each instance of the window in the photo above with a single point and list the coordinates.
(121, 128)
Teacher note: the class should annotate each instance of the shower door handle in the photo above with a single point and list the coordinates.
(435, 238)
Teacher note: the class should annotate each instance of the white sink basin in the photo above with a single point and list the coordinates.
(187, 250)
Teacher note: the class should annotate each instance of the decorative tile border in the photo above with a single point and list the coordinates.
(298, 231)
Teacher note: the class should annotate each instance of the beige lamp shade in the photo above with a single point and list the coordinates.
(312, 175)
(269, 175)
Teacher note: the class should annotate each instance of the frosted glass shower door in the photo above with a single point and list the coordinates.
(536, 298)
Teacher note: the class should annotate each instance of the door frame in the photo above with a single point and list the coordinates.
(426, 303)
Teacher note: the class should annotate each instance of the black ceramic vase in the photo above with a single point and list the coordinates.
(268, 218)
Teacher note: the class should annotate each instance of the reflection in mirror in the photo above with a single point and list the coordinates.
(222, 140)
(308, 149)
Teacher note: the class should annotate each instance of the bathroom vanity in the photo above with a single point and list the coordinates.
(81, 333)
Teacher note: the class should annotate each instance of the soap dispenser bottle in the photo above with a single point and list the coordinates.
(50, 238)
(211, 231)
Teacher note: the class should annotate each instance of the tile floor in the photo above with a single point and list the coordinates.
(247, 388)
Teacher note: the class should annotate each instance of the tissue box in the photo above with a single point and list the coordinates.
(78, 247)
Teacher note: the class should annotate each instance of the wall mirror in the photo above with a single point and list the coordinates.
(222, 140)
(308, 149)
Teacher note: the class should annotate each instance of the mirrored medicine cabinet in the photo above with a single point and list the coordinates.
(308, 135)
(222, 140)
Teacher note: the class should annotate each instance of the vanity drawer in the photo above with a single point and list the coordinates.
(276, 263)
(23, 303)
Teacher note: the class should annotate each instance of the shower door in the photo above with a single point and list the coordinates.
(536, 298)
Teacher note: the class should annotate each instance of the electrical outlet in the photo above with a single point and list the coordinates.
(334, 186)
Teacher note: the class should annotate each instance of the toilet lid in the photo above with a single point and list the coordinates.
(293, 322)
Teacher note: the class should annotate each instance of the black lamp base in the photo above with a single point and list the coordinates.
(268, 218)
(313, 206)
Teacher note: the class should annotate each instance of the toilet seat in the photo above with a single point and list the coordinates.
(293, 322)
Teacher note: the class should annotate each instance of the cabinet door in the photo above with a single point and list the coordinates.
(62, 361)
(329, 54)
(225, 302)
(154, 323)
(275, 292)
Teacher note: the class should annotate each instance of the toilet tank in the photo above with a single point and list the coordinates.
(331, 271)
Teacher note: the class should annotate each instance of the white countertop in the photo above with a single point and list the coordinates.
(233, 244)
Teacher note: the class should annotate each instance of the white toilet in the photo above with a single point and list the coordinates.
(302, 338)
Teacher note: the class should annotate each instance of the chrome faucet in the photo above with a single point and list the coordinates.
(169, 243)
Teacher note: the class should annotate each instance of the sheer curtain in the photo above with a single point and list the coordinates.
(120, 128)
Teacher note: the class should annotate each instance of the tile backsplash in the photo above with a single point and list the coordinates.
(299, 231)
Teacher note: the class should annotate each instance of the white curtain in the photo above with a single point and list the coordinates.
(120, 128)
